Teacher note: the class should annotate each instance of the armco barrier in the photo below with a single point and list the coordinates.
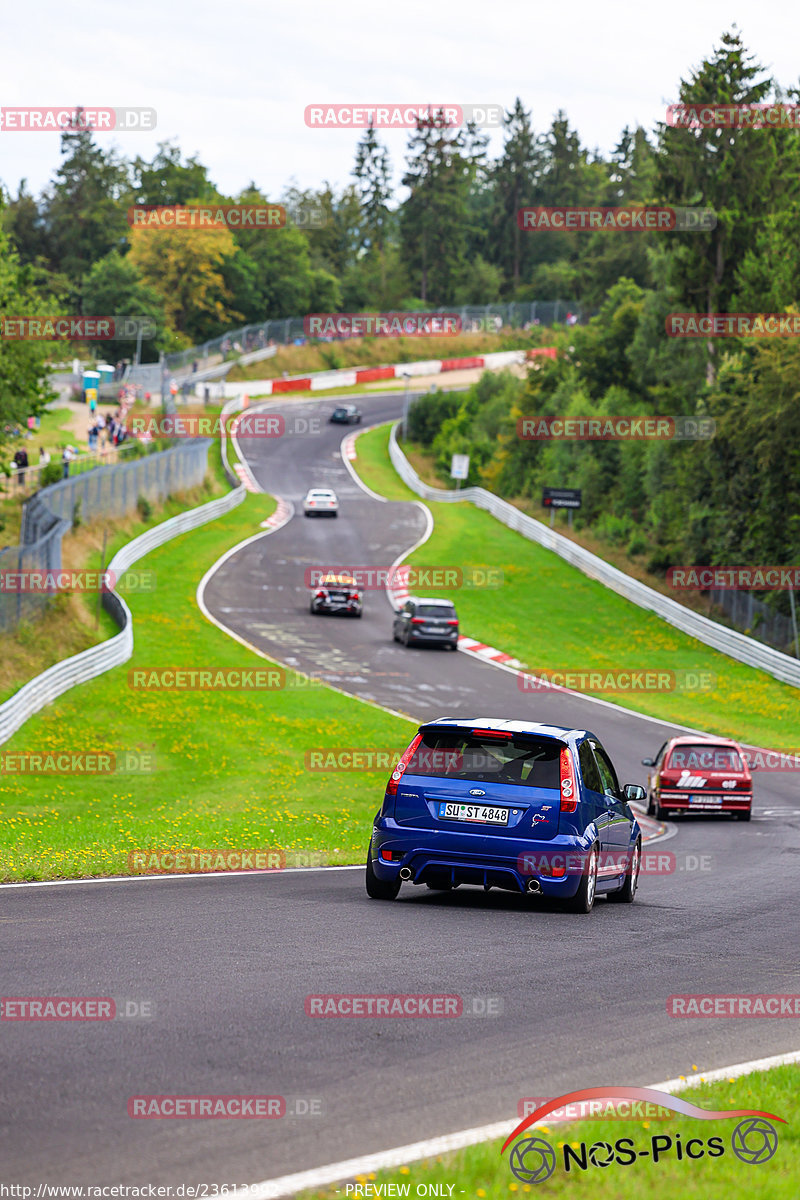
(350, 376)
(728, 641)
(52, 683)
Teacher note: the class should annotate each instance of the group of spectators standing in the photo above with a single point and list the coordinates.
(107, 431)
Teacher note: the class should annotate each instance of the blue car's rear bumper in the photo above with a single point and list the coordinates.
(479, 858)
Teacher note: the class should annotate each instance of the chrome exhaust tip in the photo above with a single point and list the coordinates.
(405, 872)
(533, 887)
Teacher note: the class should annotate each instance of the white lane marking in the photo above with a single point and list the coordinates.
(319, 1177)
(183, 875)
(398, 594)
(349, 465)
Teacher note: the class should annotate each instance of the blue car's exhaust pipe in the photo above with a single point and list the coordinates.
(406, 872)
(532, 886)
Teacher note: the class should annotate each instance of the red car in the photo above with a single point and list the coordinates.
(693, 774)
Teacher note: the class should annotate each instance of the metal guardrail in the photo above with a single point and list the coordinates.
(728, 641)
(43, 689)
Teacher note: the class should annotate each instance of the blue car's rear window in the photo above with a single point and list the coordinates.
(533, 762)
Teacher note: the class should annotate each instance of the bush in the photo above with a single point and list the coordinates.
(52, 473)
(145, 508)
(77, 519)
(637, 545)
(332, 358)
(427, 414)
(133, 448)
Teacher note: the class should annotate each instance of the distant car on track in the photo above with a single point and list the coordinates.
(321, 502)
(695, 774)
(336, 594)
(426, 622)
(507, 804)
(345, 414)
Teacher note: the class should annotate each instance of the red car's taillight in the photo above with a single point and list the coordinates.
(321, 594)
(568, 784)
(397, 773)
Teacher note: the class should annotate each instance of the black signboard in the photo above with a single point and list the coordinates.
(561, 497)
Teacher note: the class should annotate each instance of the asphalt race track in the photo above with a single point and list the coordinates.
(227, 961)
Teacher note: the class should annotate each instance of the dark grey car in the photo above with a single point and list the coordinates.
(426, 622)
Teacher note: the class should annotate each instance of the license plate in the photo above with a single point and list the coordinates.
(431, 629)
(473, 812)
(703, 800)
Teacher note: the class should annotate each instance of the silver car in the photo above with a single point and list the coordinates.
(321, 502)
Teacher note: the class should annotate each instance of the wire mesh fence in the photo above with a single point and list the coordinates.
(475, 318)
(746, 612)
(111, 491)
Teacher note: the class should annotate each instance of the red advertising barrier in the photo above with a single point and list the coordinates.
(458, 364)
(549, 351)
(291, 385)
(369, 373)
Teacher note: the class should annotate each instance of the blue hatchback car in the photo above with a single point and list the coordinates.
(507, 804)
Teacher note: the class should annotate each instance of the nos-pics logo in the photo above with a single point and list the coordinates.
(754, 1139)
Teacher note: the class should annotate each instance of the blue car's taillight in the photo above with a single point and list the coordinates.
(397, 773)
(568, 783)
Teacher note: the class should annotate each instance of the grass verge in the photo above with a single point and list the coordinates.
(379, 351)
(481, 1170)
(552, 617)
(74, 622)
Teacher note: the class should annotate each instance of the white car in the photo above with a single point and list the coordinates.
(321, 502)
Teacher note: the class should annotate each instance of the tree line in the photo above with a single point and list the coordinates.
(451, 238)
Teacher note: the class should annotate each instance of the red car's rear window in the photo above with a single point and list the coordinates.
(704, 757)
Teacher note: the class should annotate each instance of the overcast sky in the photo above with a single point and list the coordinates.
(231, 81)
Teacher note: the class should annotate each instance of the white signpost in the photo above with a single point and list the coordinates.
(459, 468)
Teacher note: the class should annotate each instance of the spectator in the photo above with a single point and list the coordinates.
(44, 456)
(66, 458)
(21, 461)
(92, 406)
